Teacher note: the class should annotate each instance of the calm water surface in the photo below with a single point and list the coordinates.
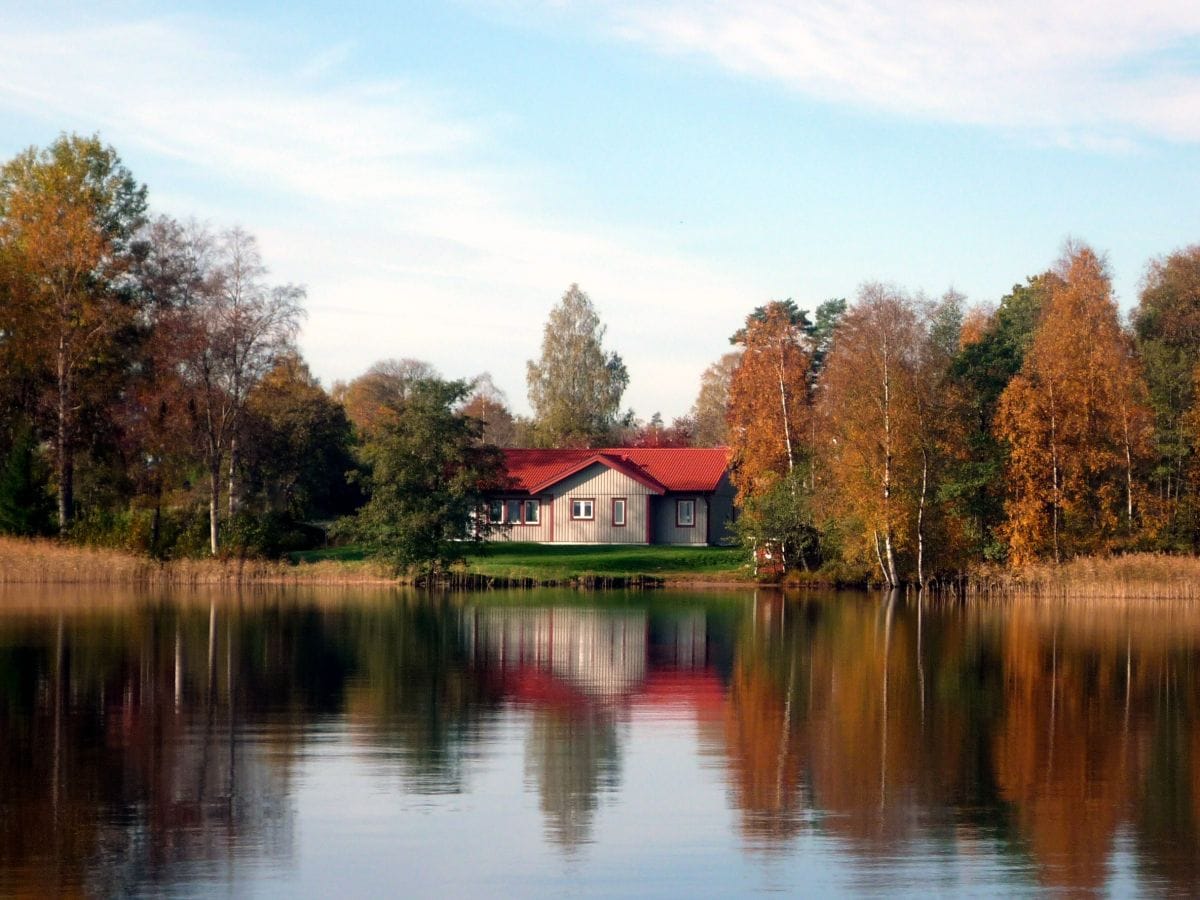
(548, 743)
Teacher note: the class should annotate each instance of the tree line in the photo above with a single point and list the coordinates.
(913, 438)
(152, 397)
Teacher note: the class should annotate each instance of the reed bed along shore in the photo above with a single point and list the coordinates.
(1133, 576)
(51, 562)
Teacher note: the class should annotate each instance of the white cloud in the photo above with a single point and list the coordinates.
(377, 195)
(1090, 74)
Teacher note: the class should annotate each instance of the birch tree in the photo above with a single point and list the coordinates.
(238, 327)
(575, 386)
(769, 412)
(872, 408)
(710, 412)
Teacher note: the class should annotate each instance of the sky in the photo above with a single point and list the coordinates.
(438, 174)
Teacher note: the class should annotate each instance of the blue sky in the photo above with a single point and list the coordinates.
(438, 173)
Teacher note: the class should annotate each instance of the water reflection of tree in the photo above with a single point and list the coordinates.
(1042, 735)
(108, 779)
(1099, 741)
(130, 747)
(416, 693)
(573, 756)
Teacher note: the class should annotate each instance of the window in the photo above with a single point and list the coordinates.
(618, 511)
(583, 509)
(685, 513)
(512, 512)
(515, 512)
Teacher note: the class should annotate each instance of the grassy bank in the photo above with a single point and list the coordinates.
(51, 562)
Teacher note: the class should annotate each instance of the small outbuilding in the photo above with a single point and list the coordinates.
(619, 495)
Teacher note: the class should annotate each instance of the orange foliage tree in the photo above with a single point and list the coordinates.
(67, 214)
(873, 411)
(1076, 422)
(769, 410)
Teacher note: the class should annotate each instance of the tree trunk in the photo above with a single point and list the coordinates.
(1128, 471)
(890, 555)
(889, 550)
(156, 521)
(787, 425)
(233, 461)
(879, 556)
(921, 518)
(1054, 473)
(214, 502)
(64, 461)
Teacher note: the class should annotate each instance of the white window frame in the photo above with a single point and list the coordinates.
(577, 503)
(680, 505)
(624, 520)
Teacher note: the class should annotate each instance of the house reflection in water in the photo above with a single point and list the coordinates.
(600, 655)
(580, 670)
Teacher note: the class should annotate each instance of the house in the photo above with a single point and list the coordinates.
(620, 495)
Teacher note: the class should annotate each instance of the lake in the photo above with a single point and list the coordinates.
(347, 742)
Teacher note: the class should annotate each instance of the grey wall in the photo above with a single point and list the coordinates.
(601, 484)
(665, 529)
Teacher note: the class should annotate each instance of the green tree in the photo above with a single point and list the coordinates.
(575, 387)
(1167, 325)
(298, 446)
(973, 485)
(428, 473)
(25, 506)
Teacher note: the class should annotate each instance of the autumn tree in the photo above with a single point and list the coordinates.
(710, 412)
(373, 397)
(768, 397)
(575, 386)
(769, 414)
(489, 405)
(1076, 422)
(172, 269)
(68, 214)
(872, 407)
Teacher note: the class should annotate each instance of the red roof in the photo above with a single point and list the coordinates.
(662, 469)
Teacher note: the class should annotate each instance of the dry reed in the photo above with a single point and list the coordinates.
(51, 562)
(1134, 576)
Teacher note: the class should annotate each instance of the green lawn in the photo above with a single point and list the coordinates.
(562, 562)
(519, 560)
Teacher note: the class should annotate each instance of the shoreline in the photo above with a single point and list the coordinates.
(1141, 576)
